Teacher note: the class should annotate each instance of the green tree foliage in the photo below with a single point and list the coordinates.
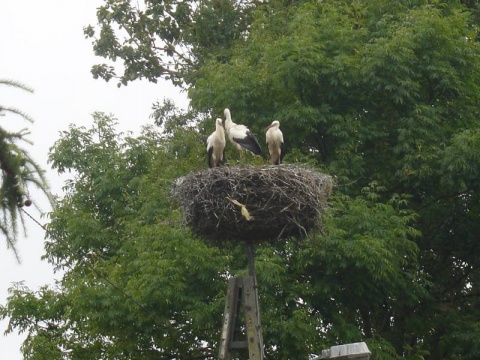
(169, 39)
(18, 171)
(382, 95)
(385, 92)
(136, 284)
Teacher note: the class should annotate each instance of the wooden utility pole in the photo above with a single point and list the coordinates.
(242, 295)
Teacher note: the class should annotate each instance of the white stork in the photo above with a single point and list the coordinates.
(240, 135)
(216, 145)
(274, 138)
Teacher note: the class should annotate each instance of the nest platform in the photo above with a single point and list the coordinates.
(280, 202)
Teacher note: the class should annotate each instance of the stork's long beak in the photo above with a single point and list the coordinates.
(268, 127)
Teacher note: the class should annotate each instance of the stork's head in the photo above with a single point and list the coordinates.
(274, 124)
(226, 112)
(219, 122)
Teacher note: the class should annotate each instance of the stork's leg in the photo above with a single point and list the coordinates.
(241, 156)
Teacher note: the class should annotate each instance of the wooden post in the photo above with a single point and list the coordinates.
(242, 294)
(252, 318)
(228, 319)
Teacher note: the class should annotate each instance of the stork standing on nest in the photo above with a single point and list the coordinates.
(276, 147)
(216, 145)
(241, 136)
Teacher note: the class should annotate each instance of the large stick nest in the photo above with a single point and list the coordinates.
(280, 201)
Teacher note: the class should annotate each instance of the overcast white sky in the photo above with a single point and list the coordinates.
(42, 45)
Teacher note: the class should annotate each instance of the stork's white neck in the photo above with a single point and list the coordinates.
(219, 128)
(228, 119)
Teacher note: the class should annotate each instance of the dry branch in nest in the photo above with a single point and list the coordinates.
(252, 203)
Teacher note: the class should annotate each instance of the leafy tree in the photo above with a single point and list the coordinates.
(131, 287)
(384, 92)
(168, 39)
(18, 171)
(381, 93)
